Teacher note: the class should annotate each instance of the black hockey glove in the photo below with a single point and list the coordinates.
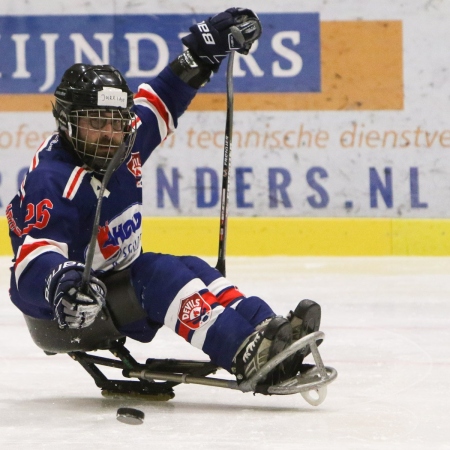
(73, 308)
(233, 29)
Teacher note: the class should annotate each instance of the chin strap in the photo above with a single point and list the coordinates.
(192, 72)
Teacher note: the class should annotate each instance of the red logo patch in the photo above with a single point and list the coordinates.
(107, 245)
(135, 167)
(194, 311)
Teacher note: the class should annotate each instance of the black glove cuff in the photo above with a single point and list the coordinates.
(190, 70)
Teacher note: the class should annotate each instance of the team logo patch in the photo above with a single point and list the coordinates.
(135, 167)
(194, 311)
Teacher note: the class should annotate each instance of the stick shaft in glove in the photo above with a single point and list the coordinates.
(226, 169)
(113, 165)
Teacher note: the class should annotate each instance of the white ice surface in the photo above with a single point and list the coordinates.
(387, 327)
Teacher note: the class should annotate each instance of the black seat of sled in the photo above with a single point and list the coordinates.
(122, 308)
(101, 335)
(47, 335)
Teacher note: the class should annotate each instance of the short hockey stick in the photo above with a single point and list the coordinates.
(220, 266)
(112, 166)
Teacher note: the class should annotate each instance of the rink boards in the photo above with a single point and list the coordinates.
(339, 148)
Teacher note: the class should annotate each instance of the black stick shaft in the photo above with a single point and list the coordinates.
(113, 164)
(220, 266)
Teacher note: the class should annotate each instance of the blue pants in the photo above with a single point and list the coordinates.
(195, 301)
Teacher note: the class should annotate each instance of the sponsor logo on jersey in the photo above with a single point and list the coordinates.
(119, 240)
(194, 311)
(135, 167)
(106, 242)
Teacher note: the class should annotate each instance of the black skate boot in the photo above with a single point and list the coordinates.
(272, 337)
(304, 320)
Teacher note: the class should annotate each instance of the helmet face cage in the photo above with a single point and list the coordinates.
(93, 111)
(96, 135)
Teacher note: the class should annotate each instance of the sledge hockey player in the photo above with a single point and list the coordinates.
(51, 218)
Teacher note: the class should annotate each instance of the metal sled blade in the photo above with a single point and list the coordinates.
(314, 380)
(310, 380)
(181, 378)
(312, 385)
(309, 340)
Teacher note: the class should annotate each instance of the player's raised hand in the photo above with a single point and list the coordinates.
(234, 29)
(73, 308)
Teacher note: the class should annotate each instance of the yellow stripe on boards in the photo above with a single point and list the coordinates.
(291, 236)
(261, 236)
(5, 244)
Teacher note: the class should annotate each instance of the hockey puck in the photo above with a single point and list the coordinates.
(130, 416)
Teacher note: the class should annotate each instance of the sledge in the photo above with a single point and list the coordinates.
(155, 380)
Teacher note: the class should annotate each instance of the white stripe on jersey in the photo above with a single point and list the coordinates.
(190, 288)
(148, 98)
(217, 286)
(32, 248)
(34, 163)
(199, 336)
(74, 182)
(35, 160)
(171, 318)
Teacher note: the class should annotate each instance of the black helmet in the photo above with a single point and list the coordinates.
(88, 98)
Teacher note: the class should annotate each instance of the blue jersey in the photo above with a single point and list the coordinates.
(51, 217)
